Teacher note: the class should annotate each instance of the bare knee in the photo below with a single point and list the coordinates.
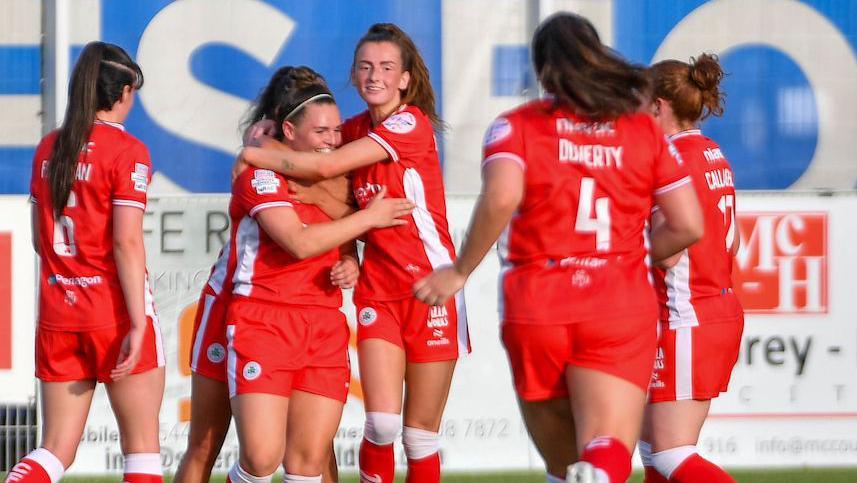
(261, 461)
(307, 461)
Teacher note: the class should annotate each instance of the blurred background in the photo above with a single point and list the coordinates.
(789, 132)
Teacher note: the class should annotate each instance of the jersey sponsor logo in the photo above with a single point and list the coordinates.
(438, 317)
(216, 353)
(140, 177)
(590, 155)
(673, 151)
(82, 282)
(499, 130)
(367, 316)
(400, 123)
(366, 192)
(781, 266)
(252, 370)
(265, 182)
(713, 154)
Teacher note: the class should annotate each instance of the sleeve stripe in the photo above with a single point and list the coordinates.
(270, 204)
(672, 186)
(384, 144)
(131, 203)
(510, 156)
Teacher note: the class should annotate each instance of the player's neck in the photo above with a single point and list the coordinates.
(110, 116)
(379, 113)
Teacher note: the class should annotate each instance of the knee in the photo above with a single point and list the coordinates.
(382, 428)
(263, 461)
(307, 462)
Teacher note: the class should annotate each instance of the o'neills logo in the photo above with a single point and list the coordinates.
(781, 267)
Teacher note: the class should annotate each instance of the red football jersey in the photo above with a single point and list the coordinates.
(220, 277)
(79, 285)
(699, 287)
(394, 258)
(263, 270)
(575, 249)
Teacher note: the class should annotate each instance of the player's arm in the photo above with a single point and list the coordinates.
(736, 242)
(34, 227)
(682, 223)
(345, 272)
(502, 192)
(304, 241)
(669, 262)
(332, 201)
(130, 256)
(309, 164)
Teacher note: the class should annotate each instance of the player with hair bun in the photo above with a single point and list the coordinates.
(96, 320)
(287, 341)
(701, 319)
(568, 186)
(401, 341)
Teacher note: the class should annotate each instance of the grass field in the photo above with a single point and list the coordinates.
(808, 475)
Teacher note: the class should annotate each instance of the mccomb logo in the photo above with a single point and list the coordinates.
(781, 267)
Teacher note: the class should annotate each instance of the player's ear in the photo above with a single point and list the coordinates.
(405, 80)
(289, 131)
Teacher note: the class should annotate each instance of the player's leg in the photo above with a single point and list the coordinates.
(382, 372)
(607, 380)
(260, 420)
(65, 406)
(331, 471)
(313, 421)
(551, 427)
(136, 402)
(210, 416)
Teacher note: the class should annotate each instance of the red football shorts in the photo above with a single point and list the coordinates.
(695, 362)
(426, 334)
(539, 353)
(63, 356)
(208, 348)
(275, 349)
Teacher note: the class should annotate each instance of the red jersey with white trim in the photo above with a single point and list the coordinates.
(79, 284)
(699, 287)
(264, 271)
(220, 276)
(394, 258)
(575, 250)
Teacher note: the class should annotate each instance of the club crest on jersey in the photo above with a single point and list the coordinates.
(499, 130)
(400, 123)
(140, 177)
(252, 370)
(367, 316)
(581, 279)
(216, 353)
(265, 182)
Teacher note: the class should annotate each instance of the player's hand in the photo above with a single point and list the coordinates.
(345, 272)
(438, 287)
(254, 134)
(306, 192)
(129, 353)
(238, 167)
(386, 212)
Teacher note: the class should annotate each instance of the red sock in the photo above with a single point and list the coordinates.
(610, 456)
(377, 463)
(697, 468)
(424, 470)
(28, 471)
(653, 476)
(142, 478)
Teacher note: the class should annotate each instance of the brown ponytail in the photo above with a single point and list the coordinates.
(693, 90)
(99, 77)
(288, 88)
(419, 91)
(581, 72)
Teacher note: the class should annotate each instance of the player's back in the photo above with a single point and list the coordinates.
(577, 239)
(699, 286)
(80, 287)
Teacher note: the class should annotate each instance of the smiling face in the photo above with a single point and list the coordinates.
(319, 128)
(379, 75)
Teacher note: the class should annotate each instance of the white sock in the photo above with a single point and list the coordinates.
(143, 464)
(420, 443)
(553, 479)
(668, 460)
(290, 478)
(239, 475)
(48, 461)
(645, 453)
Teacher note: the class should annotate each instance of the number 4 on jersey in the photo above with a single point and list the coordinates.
(585, 223)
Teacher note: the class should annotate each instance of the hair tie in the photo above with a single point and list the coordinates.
(304, 103)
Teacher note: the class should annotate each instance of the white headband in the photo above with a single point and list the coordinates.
(304, 103)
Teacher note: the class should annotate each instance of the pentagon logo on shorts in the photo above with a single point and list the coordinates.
(367, 316)
(252, 370)
(216, 353)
